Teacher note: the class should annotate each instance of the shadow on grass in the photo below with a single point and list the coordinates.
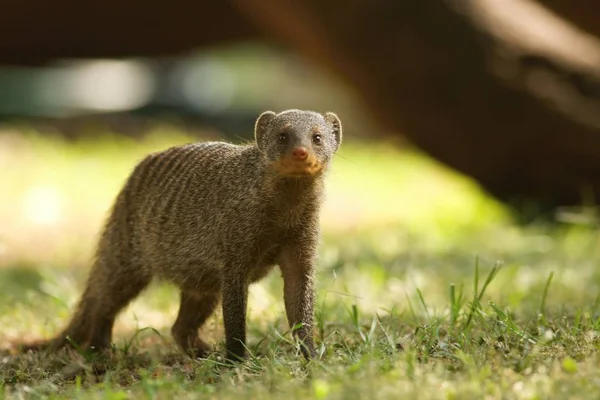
(134, 356)
(125, 364)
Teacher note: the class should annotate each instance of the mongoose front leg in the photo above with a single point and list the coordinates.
(297, 268)
(235, 299)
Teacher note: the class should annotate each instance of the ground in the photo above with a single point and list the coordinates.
(426, 288)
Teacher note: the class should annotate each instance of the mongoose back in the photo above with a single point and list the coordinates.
(212, 218)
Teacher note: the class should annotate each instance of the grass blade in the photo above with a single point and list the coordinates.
(545, 295)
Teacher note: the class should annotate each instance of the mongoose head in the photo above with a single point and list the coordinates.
(298, 143)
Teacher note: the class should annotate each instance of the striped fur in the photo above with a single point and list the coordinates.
(212, 218)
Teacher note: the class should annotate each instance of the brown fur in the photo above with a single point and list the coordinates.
(213, 218)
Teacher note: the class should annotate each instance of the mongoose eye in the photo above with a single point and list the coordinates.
(283, 137)
(317, 139)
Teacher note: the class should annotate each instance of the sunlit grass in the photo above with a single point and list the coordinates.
(64, 188)
(403, 308)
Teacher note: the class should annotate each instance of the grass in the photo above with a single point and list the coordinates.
(426, 288)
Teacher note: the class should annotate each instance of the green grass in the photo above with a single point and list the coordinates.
(426, 289)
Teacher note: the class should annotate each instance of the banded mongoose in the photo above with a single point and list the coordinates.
(212, 218)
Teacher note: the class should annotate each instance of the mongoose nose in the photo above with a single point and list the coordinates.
(300, 154)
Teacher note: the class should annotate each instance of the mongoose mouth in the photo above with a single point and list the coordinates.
(297, 169)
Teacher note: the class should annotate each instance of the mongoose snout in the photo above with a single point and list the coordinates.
(299, 154)
(300, 162)
(212, 218)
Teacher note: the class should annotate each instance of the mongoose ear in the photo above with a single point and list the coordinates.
(336, 127)
(262, 122)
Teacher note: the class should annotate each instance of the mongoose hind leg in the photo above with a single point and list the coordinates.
(194, 310)
(113, 295)
(105, 295)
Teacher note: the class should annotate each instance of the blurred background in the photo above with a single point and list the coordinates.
(461, 119)
(507, 94)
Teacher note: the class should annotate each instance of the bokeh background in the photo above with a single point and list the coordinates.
(472, 136)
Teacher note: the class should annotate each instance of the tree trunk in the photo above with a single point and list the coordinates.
(499, 90)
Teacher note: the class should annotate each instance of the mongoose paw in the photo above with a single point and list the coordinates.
(200, 352)
(235, 356)
(34, 347)
(195, 347)
(309, 353)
